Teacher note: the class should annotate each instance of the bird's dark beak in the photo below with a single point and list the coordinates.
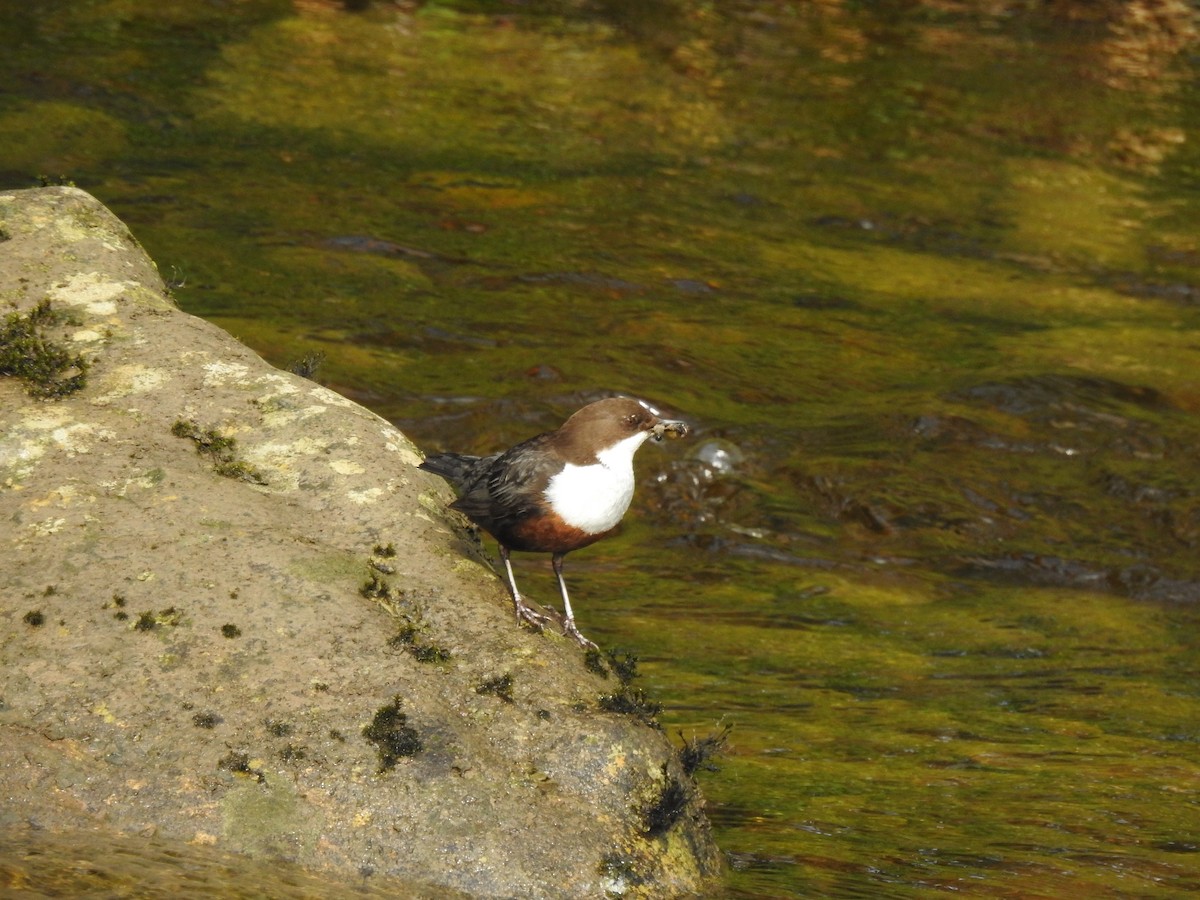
(672, 428)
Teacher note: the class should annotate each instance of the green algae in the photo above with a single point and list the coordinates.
(957, 704)
(57, 137)
(544, 78)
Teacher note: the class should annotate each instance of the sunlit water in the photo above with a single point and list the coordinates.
(98, 865)
(923, 276)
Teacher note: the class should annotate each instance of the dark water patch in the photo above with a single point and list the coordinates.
(825, 303)
(1055, 679)
(745, 862)
(1145, 582)
(734, 814)
(858, 687)
(753, 619)
(1184, 257)
(1141, 581)
(748, 199)
(430, 338)
(691, 286)
(1034, 569)
(996, 653)
(715, 545)
(1072, 416)
(959, 429)
(1043, 396)
(944, 734)
(588, 280)
(918, 233)
(1119, 486)
(991, 326)
(1128, 867)
(770, 554)
(1184, 293)
(380, 247)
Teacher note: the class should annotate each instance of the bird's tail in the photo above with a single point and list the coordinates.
(451, 466)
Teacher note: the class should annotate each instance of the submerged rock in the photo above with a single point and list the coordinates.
(235, 614)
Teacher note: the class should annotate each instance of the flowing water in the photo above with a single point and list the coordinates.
(924, 275)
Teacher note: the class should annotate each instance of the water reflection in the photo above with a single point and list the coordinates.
(35, 863)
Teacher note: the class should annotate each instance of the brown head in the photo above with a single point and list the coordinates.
(606, 423)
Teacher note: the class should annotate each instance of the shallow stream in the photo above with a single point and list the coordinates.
(925, 277)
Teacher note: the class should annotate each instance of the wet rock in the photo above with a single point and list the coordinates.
(842, 502)
(285, 665)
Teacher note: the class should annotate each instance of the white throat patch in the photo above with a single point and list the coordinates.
(593, 498)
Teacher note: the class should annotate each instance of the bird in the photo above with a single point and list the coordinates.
(558, 491)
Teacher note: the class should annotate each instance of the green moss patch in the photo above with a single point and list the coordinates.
(664, 811)
(632, 702)
(500, 686)
(221, 449)
(48, 370)
(407, 639)
(698, 752)
(392, 736)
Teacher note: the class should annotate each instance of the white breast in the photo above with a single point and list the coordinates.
(593, 498)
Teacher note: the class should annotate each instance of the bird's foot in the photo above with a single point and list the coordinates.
(529, 616)
(570, 629)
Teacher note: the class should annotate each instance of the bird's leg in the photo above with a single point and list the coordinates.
(524, 613)
(569, 622)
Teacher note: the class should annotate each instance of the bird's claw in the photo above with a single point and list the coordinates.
(570, 630)
(529, 617)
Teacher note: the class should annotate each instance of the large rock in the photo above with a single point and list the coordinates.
(220, 648)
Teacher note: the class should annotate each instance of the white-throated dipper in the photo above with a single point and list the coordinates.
(556, 492)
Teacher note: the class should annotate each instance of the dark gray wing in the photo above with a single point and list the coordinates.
(509, 487)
